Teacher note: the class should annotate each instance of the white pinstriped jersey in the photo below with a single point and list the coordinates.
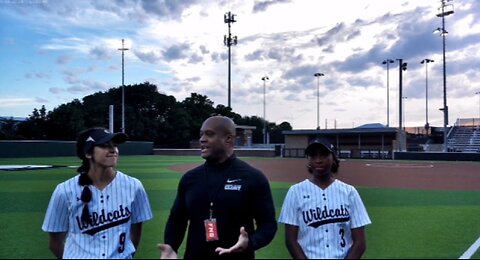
(324, 217)
(113, 210)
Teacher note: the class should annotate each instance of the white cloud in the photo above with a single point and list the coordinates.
(14, 102)
(179, 46)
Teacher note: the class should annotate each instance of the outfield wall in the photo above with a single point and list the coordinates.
(243, 152)
(438, 156)
(30, 148)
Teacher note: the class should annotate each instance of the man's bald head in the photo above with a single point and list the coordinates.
(221, 124)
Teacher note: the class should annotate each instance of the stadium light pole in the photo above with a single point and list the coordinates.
(318, 75)
(426, 61)
(229, 18)
(444, 10)
(265, 78)
(123, 49)
(402, 66)
(478, 93)
(404, 99)
(387, 62)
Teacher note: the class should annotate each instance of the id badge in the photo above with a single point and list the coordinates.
(211, 229)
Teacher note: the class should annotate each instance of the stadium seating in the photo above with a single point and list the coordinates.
(464, 139)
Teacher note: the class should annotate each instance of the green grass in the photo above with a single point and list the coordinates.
(407, 223)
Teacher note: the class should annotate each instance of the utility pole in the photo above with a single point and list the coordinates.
(123, 49)
(229, 18)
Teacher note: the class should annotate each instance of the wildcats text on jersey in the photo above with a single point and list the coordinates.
(101, 221)
(318, 216)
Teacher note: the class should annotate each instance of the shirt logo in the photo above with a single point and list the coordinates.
(316, 217)
(233, 187)
(232, 181)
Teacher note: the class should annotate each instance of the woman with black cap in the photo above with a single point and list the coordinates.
(323, 216)
(99, 212)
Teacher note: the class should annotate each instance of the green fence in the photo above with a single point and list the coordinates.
(15, 149)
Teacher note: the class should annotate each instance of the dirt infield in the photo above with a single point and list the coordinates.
(376, 173)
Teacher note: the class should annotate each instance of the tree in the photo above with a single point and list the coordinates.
(276, 136)
(66, 121)
(8, 129)
(149, 116)
(257, 134)
(35, 127)
(199, 108)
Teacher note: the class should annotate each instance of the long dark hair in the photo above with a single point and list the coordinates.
(84, 180)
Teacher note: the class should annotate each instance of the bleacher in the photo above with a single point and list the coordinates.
(464, 138)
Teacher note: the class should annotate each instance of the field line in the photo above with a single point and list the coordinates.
(471, 250)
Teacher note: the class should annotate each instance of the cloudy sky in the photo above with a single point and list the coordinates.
(52, 52)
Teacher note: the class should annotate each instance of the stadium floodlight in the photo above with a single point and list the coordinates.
(404, 99)
(265, 78)
(444, 10)
(426, 61)
(387, 62)
(478, 93)
(123, 49)
(318, 75)
(402, 66)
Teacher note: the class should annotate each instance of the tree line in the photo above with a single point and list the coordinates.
(149, 116)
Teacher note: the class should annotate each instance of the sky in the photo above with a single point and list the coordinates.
(52, 52)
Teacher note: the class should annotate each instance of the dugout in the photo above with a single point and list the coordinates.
(367, 141)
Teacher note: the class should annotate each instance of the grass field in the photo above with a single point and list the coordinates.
(406, 223)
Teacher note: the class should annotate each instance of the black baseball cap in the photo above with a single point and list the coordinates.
(322, 142)
(100, 136)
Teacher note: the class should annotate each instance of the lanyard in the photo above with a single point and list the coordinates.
(214, 192)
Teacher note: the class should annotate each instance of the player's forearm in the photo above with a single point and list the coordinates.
(56, 244)
(356, 251)
(295, 250)
(136, 234)
(57, 250)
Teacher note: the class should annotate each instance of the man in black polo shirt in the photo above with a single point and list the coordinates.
(226, 203)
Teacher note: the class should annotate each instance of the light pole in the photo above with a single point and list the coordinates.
(265, 78)
(123, 49)
(478, 93)
(402, 66)
(445, 10)
(426, 61)
(318, 75)
(404, 99)
(229, 18)
(387, 62)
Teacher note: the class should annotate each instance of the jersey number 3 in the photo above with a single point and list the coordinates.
(342, 237)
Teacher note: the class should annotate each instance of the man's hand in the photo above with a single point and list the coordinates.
(167, 252)
(240, 246)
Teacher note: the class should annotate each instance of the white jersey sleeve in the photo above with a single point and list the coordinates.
(290, 209)
(141, 206)
(359, 216)
(57, 216)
